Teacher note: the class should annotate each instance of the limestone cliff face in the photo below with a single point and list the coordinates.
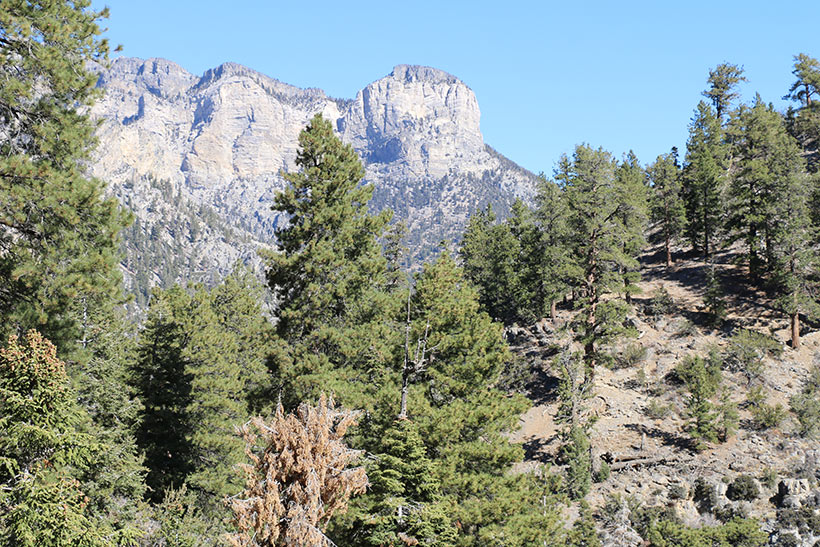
(220, 142)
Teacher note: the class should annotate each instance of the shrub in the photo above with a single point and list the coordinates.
(806, 406)
(705, 496)
(630, 356)
(678, 492)
(657, 410)
(743, 488)
(747, 350)
(661, 303)
(602, 473)
(768, 477)
(764, 416)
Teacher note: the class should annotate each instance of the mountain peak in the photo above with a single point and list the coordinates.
(413, 73)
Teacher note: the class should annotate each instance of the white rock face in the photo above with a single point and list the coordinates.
(222, 141)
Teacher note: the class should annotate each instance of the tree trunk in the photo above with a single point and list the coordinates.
(553, 310)
(795, 320)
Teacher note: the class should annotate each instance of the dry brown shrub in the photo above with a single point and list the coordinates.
(298, 476)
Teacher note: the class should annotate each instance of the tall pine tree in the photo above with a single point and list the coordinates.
(59, 247)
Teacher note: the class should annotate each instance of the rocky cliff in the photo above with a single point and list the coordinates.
(199, 159)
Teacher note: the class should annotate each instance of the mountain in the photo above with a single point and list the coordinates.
(199, 159)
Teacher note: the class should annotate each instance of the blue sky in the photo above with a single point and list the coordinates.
(547, 75)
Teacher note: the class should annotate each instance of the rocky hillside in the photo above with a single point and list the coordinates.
(765, 470)
(199, 159)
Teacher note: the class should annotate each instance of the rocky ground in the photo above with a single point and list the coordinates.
(652, 458)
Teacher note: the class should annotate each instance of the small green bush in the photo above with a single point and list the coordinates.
(705, 496)
(603, 472)
(764, 416)
(743, 488)
(630, 356)
(656, 410)
(661, 303)
(678, 492)
(806, 406)
(747, 350)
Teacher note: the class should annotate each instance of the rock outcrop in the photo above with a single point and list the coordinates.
(220, 142)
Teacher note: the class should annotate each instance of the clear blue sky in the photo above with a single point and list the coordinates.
(548, 75)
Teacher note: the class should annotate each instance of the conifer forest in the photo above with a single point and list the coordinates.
(629, 358)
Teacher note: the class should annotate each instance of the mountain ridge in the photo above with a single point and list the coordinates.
(223, 139)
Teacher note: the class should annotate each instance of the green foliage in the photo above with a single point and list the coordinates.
(743, 488)
(702, 378)
(703, 178)
(405, 502)
(768, 162)
(58, 234)
(806, 405)
(179, 522)
(575, 452)
(764, 416)
(583, 533)
(41, 453)
(668, 209)
(508, 263)
(722, 83)
(605, 229)
(657, 410)
(200, 359)
(714, 297)
(728, 416)
(735, 533)
(746, 351)
(329, 277)
(631, 355)
(661, 303)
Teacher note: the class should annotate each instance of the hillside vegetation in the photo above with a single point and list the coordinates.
(629, 361)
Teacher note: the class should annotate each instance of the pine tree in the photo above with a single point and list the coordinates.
(667, 201)
(164, 386)
(634, 216)
(702, 378)
(59, 248)
(42, 453)
(200, 355)
(599, 236)
(797, 260)
(704, 179)
(491, 254)
(405, 505)
(551, 215)
(722, 82)
(329, 277)
(460, 416)
(767, 158)
(804, 121)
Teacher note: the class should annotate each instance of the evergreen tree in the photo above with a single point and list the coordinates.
(704, 179)
(59, 249)
(405, 505)
(200, 356)
(797, 260)
(722, 82)
(491, 254)
(164, 386)
(667, 201)
(557, 268)
(329, 277)
(767, 159)
(702, 378)
(804, 122)
(42, 453)
(460, 416)
(597, 209)
(634, 215)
